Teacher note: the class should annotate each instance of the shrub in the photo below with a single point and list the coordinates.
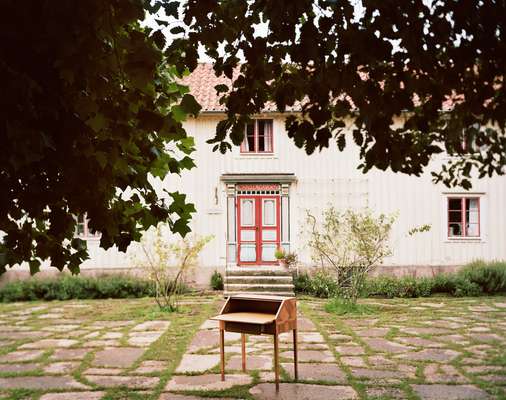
(489, 277)
(349, 245)
(318, 284)
(216, 281)
(77, 287)
(166, 261)
(474, 279)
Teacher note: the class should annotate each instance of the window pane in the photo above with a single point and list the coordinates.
(455, 204)
(269, 235)
(455, 230)
(455, 216)
(473, 230)
(269, 212)
(268, 251)
(248, 253)
(261, 143)
(247, 212)
(247, 235)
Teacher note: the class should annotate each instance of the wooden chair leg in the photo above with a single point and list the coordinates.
(222, 353)
(295, 356)
(276, 359)
(243, 351)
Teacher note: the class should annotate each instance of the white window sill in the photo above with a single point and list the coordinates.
(465, 240)
(89, 238)
(256, 157)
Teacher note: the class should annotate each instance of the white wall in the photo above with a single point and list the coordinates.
(331, 177)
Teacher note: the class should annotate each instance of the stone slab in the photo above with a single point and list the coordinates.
(386, 346)
(197, 362)
(73, 396)
(263, 363)
(41, 382)
(310, 355)
(207, 382)
(449, 392)
(69, 354)
(132, 382)
(436, 355)
(151, 366)
(316, 372)
(121, 357)
(49, 343)
(300, 391)
(22, 355)
(152, 326)
(16, 368)
(64, 367)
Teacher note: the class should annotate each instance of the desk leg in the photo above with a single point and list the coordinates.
(243, 351)
(276, 359)
(222, 353)
(295, 356)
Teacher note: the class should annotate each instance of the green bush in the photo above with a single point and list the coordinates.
(475, 279)
(216, 281)
(318, 284)
(76, 287)
(489, 277)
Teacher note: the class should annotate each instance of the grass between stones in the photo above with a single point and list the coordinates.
(169, 347)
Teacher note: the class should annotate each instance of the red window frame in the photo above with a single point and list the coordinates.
(268, 138)
(463, 218)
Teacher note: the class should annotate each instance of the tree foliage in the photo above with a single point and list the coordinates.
(410, 59)
(349, 245)
(167, 262)
(87, 110)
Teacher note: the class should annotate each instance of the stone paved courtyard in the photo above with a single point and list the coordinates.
(125, 349)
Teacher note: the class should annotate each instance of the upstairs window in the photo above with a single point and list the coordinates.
(258, 137)
(82, 229)
(463, 217)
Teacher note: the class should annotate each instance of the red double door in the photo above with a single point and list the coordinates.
(257, 229)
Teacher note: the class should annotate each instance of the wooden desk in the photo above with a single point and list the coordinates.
(258, 315)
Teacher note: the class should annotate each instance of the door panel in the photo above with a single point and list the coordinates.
(258, 229)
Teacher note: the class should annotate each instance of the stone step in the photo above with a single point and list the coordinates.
(258, 271)
(263, 293)
(258, 280)
(239, 287)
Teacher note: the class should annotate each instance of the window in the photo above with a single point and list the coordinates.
(258, 137)
(82, 229)
(463, 217)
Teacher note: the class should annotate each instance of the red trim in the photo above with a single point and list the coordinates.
(463, 220)
(258, 227)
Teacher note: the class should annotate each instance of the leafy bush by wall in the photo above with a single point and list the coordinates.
(77, 287)
(216, 281)
(475, 279)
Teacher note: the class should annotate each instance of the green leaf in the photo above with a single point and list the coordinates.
(190, 105)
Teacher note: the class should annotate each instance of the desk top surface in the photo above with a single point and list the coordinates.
(247, 317)
(260, 297)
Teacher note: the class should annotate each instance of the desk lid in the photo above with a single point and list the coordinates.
(260, 297)
(247, 317)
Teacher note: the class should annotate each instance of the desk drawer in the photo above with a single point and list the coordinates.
(241, 327)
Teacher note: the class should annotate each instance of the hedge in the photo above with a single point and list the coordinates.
(475, 279)
(77, 287)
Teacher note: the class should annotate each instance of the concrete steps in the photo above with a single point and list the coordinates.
(262, 280)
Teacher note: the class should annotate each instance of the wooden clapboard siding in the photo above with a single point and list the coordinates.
(331, 177)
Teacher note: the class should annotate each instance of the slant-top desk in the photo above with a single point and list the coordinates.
(258, 315)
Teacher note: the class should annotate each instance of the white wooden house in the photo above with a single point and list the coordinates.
(253, 200)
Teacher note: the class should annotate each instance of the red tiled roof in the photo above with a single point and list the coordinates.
(202, 82)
